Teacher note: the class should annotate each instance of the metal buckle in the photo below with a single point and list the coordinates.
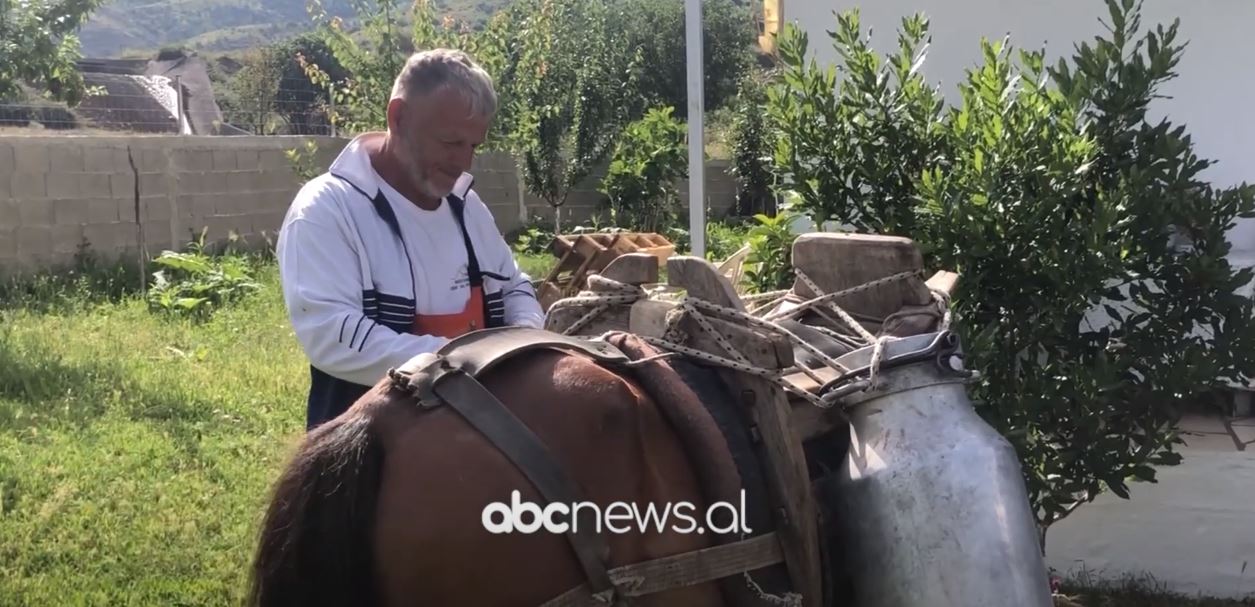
(419, 376)
(939, 348)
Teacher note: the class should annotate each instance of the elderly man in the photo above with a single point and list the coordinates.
(390, 253)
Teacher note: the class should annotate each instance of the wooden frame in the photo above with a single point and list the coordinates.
(580, 255)
(782, 424)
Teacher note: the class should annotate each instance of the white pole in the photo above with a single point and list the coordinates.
(697, 164)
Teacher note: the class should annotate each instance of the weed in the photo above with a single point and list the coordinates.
(770, 259)
(88, 281)
(194, 283)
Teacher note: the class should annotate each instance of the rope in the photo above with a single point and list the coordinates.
(854, 324)
(602, 293)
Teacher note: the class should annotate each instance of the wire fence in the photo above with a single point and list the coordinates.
(135, 106)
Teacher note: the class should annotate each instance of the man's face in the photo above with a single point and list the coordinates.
(438, 138)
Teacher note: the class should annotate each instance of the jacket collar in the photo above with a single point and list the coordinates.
(353, 166)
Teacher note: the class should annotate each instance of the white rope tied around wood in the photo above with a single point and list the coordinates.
(604, 292)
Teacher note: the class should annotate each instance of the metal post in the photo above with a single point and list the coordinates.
(697, 140)
(178, 95)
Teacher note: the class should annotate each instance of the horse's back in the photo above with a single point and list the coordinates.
(431, 541)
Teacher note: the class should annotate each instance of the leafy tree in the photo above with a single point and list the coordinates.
(300, 99)
(274, 92)
(752, 150)
(657, 27)
(1095, 293)
(251, 94)
(574, 92)
(1177, 324)
(372, 55)
(39, 47)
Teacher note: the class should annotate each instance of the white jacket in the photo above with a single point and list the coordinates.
(358, 261)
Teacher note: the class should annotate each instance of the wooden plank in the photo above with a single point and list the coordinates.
(616, 247)
(702, 280)
(657, 240)
(588, 249)
(811, 422)
(661, 252)
(841, 261)
(762, 349)
(560, 246)
(806, 383)
(632, 268)
(797, 516)
(648, 317)
(563, 261)
(547, 294)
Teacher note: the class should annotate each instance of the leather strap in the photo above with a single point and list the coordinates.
(509, 434)
(448, 377)
(476, 352)
(472, 262)
(680, 570)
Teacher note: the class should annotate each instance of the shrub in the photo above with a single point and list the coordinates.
(752, 151)
(195, 284)
(641, 180)
(854, 150)
(724, 239)
(770, 259)
(533, 239)
(1057, 202)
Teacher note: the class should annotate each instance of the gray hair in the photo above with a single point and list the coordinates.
(429, 71)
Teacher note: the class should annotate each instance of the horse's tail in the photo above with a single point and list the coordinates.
(315, 544)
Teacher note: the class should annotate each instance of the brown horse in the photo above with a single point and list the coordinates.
(382, 506)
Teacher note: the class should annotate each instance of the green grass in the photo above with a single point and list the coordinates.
(136, 451)
(536, 266)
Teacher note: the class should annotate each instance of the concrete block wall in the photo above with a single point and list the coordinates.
(127, 195)
(116, 196)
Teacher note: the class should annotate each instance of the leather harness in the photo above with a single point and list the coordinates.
(449, 377)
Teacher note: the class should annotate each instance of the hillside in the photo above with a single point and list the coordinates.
(142, 26)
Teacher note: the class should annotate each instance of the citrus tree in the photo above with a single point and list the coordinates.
(1095, 293)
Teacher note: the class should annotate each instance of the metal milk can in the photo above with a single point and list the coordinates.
(930, 504)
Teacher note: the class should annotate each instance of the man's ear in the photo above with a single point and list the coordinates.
(396, 111)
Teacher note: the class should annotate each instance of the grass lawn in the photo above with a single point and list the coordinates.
(136, 450)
